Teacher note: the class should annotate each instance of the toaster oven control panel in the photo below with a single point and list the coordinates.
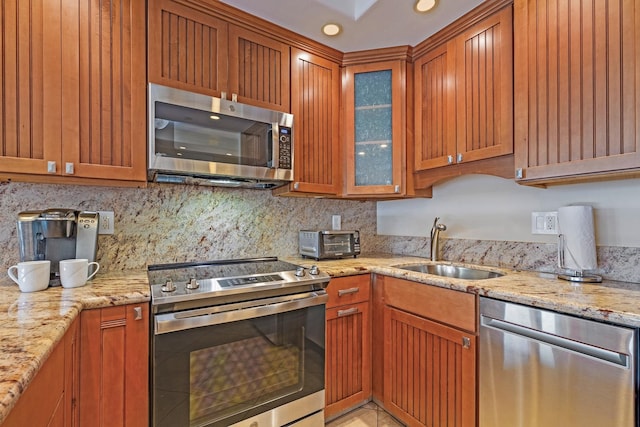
(284, 141)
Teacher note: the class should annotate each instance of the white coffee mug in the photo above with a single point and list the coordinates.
(31, 275)
(75, 272)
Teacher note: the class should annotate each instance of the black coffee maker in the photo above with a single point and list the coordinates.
(57, 234)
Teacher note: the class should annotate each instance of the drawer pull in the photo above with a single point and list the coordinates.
(342, 292)
(347, 312)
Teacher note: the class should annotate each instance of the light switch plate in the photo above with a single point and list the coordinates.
(544, 222)
(105, 225)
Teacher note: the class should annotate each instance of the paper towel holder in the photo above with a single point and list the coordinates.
(572, 275)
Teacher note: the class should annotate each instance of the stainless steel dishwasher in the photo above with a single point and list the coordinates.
(539, 368)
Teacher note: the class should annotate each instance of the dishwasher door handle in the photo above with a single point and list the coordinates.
(614, 357)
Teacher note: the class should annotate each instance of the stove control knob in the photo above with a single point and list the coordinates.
(300, 272)
(169, 286)
(192, 284)
(314, 270)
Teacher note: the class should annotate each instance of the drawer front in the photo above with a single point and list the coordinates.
(348, 290)
(447, 306)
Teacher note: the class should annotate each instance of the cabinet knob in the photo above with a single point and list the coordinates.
(459, 158)
(223, 95)
(51, 167)
(450, 159)
(396, 189)
(138, 313)
(466, 342)
(296, 186)
(234, 97)
(68, 168)
(519, 173)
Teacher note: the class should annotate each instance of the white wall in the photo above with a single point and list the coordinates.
(490, 208)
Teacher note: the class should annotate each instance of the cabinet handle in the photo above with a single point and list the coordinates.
(459, 158)
(519, 173)
(347, 312)
(138, 313)
(342, 292)
(51, 167)
(450, 159)
(466, 342)
(68, 168)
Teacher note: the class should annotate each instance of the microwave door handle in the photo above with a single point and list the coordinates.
(169, 322)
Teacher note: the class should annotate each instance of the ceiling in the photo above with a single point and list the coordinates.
(366, 24)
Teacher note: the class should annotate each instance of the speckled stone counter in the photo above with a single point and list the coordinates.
(616, 302)
(31, 324)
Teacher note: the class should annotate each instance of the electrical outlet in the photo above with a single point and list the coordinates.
(544, 222)
(336, 222)
(105, 224)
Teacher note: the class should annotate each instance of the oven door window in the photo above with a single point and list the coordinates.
(337, 243)
(187, 133)
(218, 375)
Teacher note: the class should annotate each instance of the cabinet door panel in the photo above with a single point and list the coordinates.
(435, 115)
(375, 128)
(102, 108)
(348, 358)
(187, 48)
(114, 366)
(484, 76)
(315, 104)
(577, 84)
(258, 69)
(30, 85)
(430, 377)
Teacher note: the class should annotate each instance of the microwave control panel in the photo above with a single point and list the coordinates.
(284, 141)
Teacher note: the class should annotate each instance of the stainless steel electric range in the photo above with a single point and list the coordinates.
(237, 343)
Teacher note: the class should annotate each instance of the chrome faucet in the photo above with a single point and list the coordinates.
(435, 234)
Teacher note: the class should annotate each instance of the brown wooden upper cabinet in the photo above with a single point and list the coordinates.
(464, 96)
(72, 90)
(191, 48)
(577, 89)
(375, 127)
(315, 105)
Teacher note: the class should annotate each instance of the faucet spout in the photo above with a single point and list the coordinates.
(435, 236)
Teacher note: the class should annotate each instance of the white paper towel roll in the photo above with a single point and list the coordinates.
(575, 228)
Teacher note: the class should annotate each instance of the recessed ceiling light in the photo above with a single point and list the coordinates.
(214, 117)
(423, 6)
(331, 29)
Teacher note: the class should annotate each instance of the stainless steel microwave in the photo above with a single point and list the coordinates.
(329, 244)
(199, 139)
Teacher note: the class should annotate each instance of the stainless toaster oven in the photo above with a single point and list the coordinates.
(329, 244)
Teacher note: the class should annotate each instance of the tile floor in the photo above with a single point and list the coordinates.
(368, 415)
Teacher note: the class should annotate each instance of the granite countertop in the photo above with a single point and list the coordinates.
(616, 302)
(31, 324)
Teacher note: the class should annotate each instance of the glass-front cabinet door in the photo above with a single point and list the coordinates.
(375, 128)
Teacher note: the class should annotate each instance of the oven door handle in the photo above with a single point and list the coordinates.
(179, 321)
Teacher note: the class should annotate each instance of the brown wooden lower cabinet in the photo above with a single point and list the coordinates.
(430, 371)
(114, 366)
(348, 344)
(50, 398)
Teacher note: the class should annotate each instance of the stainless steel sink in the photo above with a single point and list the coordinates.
(454, 271)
